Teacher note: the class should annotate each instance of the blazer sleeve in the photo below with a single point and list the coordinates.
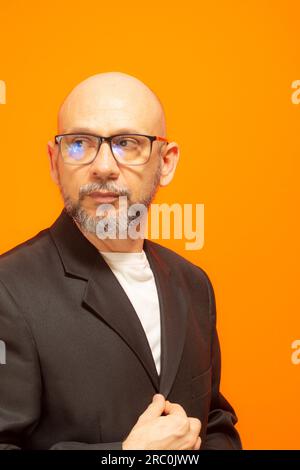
(20, 382)
(221, 432)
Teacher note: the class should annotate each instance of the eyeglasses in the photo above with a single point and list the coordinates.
(127, 149)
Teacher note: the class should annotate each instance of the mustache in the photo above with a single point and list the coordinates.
(107, 186)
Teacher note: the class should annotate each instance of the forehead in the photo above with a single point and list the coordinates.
(109, 114)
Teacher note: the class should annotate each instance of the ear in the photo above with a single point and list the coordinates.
(52, 154)
(170, 157)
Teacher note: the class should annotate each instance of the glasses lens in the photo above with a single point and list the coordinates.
(131, 149)
(78, 148)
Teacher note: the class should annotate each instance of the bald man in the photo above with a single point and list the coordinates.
(110, 341)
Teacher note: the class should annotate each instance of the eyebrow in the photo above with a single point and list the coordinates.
(87, 130)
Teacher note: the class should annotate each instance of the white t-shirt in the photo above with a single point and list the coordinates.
(136, 277)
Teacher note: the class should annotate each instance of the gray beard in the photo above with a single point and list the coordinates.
(120, 220)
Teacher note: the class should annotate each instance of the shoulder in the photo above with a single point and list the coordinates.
(177, 262)
(26, 258)
(193, 278)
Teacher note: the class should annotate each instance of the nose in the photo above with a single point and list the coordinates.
(104, 166)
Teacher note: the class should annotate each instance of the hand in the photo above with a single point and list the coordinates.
(168, 408)
(174, 431)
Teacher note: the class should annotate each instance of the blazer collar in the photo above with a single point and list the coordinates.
(106, 298)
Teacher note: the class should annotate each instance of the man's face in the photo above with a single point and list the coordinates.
(78, 182)
(78, 185)
(110, 104)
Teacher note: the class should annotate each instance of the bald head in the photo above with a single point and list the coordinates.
(111, 103)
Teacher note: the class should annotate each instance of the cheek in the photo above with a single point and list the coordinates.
(149, 179)
(139, 187)
(139, 180)
(70, 181)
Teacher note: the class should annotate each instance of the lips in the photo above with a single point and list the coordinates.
(104, 196)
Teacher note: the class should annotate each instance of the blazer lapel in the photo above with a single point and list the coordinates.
(107, 299)
(173, 310)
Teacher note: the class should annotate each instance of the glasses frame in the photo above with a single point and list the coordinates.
(102, 139)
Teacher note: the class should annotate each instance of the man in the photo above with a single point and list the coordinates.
(111, 342)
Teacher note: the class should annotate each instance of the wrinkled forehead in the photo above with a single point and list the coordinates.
(106, 112)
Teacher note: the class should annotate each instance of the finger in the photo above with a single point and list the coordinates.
(154, 409)
(197, 444)
(167, 407)
(195, 425)
(175, 408)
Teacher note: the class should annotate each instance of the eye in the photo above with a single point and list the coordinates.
(80, 141)
(127, 142)
(76, 144)
(79, 145)
(76, 147)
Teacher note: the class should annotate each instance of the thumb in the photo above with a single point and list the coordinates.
(155, 409)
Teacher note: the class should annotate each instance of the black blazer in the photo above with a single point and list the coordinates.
(79, 369)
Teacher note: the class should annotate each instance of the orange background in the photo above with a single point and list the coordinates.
(223, 71)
